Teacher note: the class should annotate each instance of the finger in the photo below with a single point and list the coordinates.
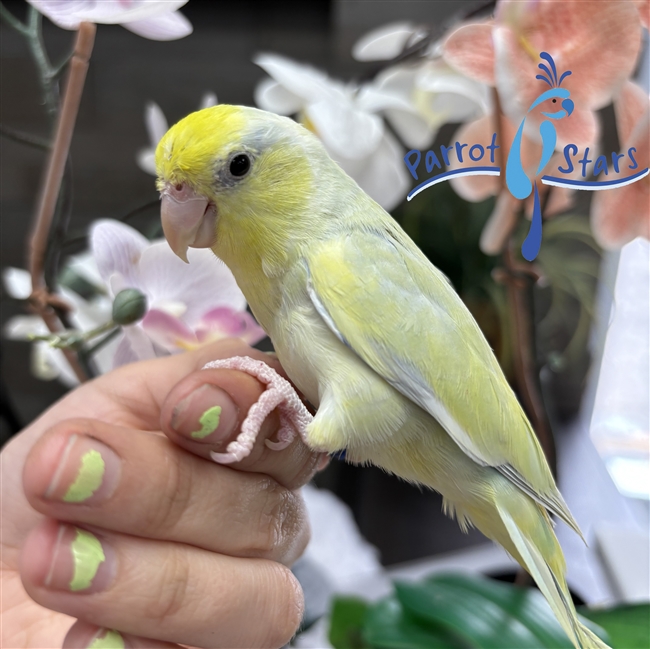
(133, 394)
(165, 591)
(204, 411)
(141, 484)
(89, 636)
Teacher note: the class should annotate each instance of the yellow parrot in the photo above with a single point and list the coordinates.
(367, 328)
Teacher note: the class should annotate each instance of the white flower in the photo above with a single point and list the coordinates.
(438, 92)
(388, 42)
(158, 20)
(187, 305)
(348, 119)
(157, 126)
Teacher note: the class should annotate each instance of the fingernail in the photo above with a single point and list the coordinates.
(88, 472)
(80, 562)
(206, 415)
(107, 639)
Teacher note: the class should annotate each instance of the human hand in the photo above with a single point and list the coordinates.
(194, 552)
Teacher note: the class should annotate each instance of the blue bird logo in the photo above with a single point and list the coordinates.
(517, 181)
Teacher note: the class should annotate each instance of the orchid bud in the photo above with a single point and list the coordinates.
(129, 306)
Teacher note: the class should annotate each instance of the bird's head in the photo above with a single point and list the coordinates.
(232, 171)
(554, 103)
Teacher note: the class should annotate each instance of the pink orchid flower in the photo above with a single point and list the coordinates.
(598, 41)
(620, 215)
(157, 20)
(187, 304)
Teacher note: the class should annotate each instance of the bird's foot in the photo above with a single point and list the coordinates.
(279, 393)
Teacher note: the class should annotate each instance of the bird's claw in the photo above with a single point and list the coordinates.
(279, 393)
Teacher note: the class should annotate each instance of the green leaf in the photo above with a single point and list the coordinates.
(346, 623)
(527, 605)
(488, 614)
(628, 627)
(387, 626)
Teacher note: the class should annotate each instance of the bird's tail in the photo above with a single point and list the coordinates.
(539, 552)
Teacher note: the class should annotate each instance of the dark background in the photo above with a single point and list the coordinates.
(127, 71)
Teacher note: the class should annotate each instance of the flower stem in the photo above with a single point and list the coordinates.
(40, 234)
(12, 21)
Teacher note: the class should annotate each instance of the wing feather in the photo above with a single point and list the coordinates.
(382, 298)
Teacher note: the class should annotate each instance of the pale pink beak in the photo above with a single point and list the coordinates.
(188, 219)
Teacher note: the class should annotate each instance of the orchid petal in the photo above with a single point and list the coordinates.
(165, 27)
(630, 106)
(146, 160)
(382, 175)
(644, 12)
(204, 283)
(387, 42)
(136, 346)
(299, 79)
(451, 96)
(469, 50)
(68, 14)
(208, 100)
(223, 322)
(21, 327)
(498, 228)
(345, 130)
(273, 96)
(43, 365)
(168, 331)
(117, 248)
(18, 282)
(84, 264)
(412, 129)
(124, 353)
(620, 215)
(156, 122)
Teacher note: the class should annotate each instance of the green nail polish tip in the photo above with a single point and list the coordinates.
(89, 478)
(209, 422)
(87, 555)
(112, 640)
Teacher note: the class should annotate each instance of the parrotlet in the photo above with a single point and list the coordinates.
(367, 328)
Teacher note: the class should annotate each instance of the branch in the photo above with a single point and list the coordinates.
(40, 234)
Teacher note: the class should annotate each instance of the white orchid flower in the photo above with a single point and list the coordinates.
(439, 92)
(157, 126)
(158, 20)
(348, 118)
(187, 305)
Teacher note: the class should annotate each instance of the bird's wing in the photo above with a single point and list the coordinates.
(381, 296)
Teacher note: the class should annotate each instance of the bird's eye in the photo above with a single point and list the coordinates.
(240, 165)
(554, 101)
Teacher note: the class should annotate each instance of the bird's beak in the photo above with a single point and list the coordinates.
(188, 219)
(567, 104)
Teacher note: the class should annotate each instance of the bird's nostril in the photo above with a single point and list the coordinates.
(178, 187)
(554, 101)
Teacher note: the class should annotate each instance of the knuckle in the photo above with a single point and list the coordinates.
(279, 521)
(288, 607)
(174, 496)
(174, 574)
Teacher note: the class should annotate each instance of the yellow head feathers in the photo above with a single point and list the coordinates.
(238, 177)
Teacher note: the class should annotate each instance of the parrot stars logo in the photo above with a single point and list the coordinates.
(556, 104)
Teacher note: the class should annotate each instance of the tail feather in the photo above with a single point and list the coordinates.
(552, 585)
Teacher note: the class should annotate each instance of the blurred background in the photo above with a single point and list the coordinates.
(588, 326)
